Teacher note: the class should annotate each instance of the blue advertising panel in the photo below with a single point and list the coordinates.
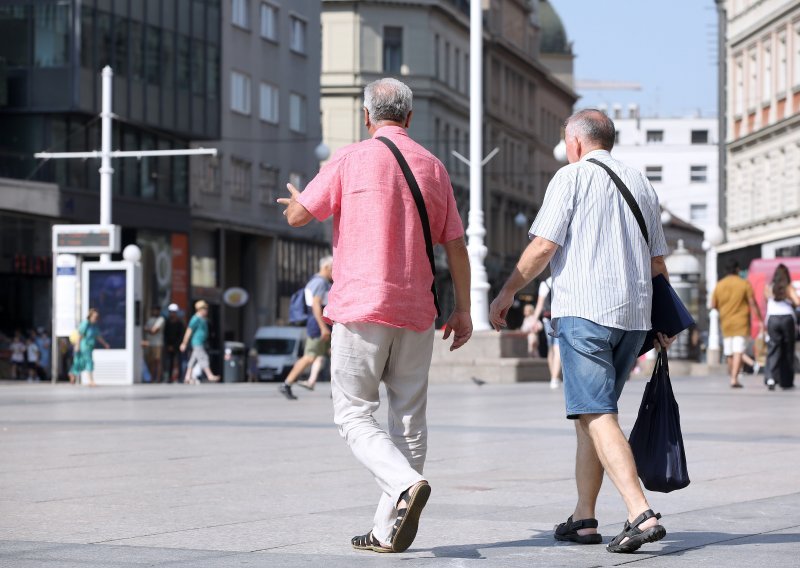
(107, 290)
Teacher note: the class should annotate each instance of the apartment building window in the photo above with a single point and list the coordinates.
(269, 21)
(210, 175)
(240, 179)
(436, 56)
(699, 136)
(655, 136)
(457, 59)
(766, 85)
(240, 10)
(783, 66)
(392, 49)
(738, 95)
(654, 173)
(698, 212)
(268, 184)
(297, 41)
(447, 62)
(797, 55)
(240, 92)
(297, 112)
(268, 103)
(752, 87)
(698, 174)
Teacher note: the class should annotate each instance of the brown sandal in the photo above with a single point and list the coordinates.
(407, 523)
(369, 542)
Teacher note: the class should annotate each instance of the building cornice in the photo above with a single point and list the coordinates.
(764, 133)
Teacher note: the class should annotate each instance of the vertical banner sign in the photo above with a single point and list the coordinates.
(180, 270)
(66, 294)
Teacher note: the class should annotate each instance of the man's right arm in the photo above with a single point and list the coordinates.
(460, 321)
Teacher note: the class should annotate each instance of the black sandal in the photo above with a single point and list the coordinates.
(407, 523)
(569, 531)
(369, 542)
(636, 538)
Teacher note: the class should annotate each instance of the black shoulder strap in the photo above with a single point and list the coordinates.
(628, 198)
(423, 212)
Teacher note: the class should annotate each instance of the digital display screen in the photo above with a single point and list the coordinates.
(83, 239)
(107, 290)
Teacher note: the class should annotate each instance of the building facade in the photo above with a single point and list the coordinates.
(269, 135)
(762, 213)
(425, 43)
(165, 57)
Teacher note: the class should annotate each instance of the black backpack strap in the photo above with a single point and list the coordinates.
(626, 193)
(423, 212)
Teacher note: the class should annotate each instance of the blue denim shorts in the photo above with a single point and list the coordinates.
(596, 362)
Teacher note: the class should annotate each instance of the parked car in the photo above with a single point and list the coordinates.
(278, 349)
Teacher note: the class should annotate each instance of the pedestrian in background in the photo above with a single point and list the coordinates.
(601, 313)
(18, 356)
(544, 310)
(318, 333)
(531, 327)
(782, 299)
(197, 332)
(733, 297)
(45, 348)
(33, 357)
(174, 329)
(88, 337)
(154, 334)
(383, 300)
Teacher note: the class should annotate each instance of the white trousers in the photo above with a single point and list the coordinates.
(363, 355)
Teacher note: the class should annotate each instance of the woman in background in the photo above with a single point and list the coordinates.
(781, 302)
(89, 335)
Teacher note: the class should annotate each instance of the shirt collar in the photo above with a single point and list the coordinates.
(596, 154)
(384, 130)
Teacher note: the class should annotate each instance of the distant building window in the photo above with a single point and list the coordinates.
(268, 103)
(698, 212)
(392, 49)
(653, 173)
(783, 67)
(699, 136)
(616, 137)
(766, 79)
(698, 174)
(240, 179)
(268, 184)
(297, 41)
(655, 136)
(239, 13)
(796, 55)
(297, 112)
(52, 25)
(269, 20)
(296, 180)
(240, 92)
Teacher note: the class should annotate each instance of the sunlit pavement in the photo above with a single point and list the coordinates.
(236, 475)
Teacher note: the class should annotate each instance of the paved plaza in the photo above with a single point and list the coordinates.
(236, 475)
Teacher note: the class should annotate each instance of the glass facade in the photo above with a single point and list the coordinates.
(166, 58)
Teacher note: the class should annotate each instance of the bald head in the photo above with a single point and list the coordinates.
(593, 128)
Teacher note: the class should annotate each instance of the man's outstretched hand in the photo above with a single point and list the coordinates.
(460, 324)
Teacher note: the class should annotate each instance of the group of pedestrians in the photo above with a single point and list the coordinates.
(30, 355)
(391, 200)
(163, 338)
(733, 297)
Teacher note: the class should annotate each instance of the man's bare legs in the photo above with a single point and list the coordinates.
(610, 448)
(554, 364)
(735, 367)
(300, 365)
(316, 369)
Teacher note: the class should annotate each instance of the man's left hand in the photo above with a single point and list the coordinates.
(460, 323)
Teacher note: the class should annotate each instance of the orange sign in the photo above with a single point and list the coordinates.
(180, 270)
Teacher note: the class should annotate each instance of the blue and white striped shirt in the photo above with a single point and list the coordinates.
(601, 270)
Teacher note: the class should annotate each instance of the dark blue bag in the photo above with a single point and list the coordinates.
(298, 310)
(656, 439)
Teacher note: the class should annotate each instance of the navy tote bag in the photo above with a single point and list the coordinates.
(656, 439)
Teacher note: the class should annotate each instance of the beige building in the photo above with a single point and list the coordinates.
(762, 215)
(425, 43)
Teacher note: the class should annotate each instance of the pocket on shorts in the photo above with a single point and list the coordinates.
(586, 336)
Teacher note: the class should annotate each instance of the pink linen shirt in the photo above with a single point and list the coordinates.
(381, 272)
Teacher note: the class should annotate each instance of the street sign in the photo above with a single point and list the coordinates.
(86, 239)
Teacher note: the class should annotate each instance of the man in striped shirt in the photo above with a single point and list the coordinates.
(602, 268)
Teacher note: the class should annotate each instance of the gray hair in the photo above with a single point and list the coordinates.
(594, 126)
(325, 261)
(387, 99)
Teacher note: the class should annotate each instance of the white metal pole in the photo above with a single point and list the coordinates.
(475, 229)
(106, 171)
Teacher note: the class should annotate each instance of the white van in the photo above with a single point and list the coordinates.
(278, 350)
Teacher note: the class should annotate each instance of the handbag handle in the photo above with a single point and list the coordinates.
(629, 199)
(423, 213)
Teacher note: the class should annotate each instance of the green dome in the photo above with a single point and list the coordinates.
(553, 34)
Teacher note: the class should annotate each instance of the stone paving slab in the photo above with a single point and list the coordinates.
(235, 475)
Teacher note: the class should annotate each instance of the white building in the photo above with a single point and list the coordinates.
(762, 213)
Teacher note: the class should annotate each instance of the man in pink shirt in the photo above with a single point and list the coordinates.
(382, 301)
